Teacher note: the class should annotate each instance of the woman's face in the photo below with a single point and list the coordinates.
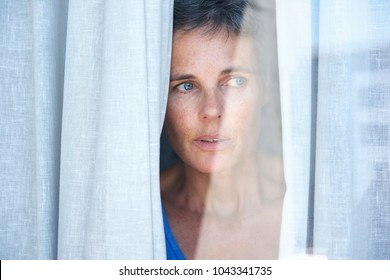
(214, 100)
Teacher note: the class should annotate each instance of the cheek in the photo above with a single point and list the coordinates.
(244, 107)
(177, 125)
(181, 113)
(244, 115)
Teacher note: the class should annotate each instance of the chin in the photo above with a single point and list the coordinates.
(213, 165)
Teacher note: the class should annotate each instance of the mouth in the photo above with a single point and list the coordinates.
(212, 140)
(212, 143)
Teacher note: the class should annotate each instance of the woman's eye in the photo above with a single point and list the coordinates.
(237, 82)
(184, 87)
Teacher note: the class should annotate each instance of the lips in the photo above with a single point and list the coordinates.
(211, 140)
(211, 143)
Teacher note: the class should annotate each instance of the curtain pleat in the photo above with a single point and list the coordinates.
(343, 210)
(32, 38)
(295, 58)
(352, 207)
(83, 94)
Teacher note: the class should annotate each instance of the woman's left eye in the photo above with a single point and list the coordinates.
(237, 82)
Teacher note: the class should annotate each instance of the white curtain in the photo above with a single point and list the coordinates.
(334, 61)
(83, 89)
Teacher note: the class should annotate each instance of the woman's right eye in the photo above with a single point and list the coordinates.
(185, 87)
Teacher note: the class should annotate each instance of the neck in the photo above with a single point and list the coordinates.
(228, 193)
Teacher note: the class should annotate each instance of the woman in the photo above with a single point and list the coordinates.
(223, 199)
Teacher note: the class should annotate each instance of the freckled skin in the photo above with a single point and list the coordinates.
(218, 103)
(222, 202)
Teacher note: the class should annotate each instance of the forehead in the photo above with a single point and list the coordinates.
(193, 49)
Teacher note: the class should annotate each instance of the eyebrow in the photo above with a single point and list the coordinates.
(236, 69)
(180, 77)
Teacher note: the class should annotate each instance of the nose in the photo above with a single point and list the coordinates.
(212, 105)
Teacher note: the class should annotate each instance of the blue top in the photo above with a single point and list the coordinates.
(173, 250)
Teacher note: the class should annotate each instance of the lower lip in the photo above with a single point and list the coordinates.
(212, 146)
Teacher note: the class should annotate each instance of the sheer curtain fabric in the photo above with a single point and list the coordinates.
(334, 69)
(83, 93)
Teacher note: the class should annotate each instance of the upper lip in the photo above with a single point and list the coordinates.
(213, 137)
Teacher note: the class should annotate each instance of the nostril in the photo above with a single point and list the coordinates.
(212, 105)
(208, 116)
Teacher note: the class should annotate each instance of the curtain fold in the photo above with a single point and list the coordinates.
(111, 124)
(333, 64)
(295, 75)
(352, 209)
(83, 90)
(32, 36)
